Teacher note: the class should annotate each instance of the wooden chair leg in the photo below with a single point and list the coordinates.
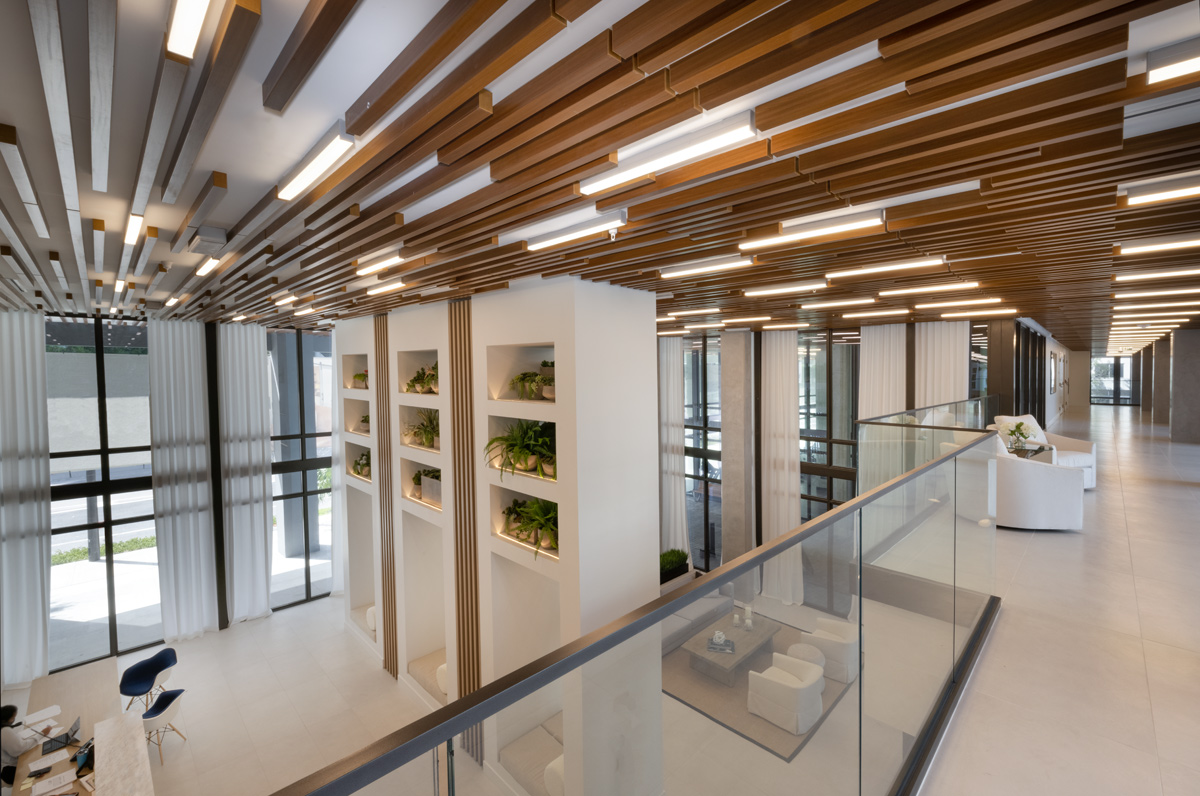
(160, 757)
(127, 707)
(181, 735)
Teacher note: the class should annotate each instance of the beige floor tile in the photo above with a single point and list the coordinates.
(1170, 614)
(1179, 780)
(1076, 592)
(1174, 676)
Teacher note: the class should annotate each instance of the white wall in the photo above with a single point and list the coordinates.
(1056, 401)
(1079, 376)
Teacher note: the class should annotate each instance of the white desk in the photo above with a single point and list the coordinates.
(122, 759)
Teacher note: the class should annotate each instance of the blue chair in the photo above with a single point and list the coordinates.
(144, 678)
(157, 720)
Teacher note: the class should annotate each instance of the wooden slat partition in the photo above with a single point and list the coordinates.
(466, 553)
(387, 527)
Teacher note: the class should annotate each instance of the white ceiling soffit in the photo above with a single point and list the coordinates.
(1159, 30)
(1162, 113)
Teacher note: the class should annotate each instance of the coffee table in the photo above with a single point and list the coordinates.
(722, 666)
(1029, 451)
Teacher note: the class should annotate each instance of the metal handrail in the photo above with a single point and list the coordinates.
(398, 748)
(881, 419)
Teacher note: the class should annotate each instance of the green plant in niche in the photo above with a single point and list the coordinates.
(522, 448)
(431, 379)
(545, 447)
(427, 428)
(526, 385)
(432, 474)
(547, 363)
(360, 379)
(417, 382)
(534, 522)
(362, 465)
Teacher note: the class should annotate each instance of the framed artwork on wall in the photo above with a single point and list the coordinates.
(1053, 372)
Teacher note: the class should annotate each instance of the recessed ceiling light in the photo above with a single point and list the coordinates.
(327, 151)
(1158, 320)
(171, 302)
(788, 326)
(693, 270)
(817, 230)
(844, 303)
(1122, 308)
(305, 311)
(207, 267)
(963, 303)
(974, 313)
(754, 319)
(1181, 292)
(286, 300)
(379, 266)
(664, 319)
(875, 313)
(1159, 244)
(930, 289)
(1157, 275)
(240, 318)
(1175, 60)
(682, 313)
(927, 262)
(119, 286)
(1163, 190)
(385, 288)
(705, 326)
(133, 229)
(676, 331)
(802, 287)
(186, 23)
(1155, 314)
(594, 227)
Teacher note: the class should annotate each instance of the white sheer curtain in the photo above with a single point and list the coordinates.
(24, 499)
(672, 489)
(180, 476)
(246, 462)
(338, 513)
(942, 369)
(783, 576)
(881, 370)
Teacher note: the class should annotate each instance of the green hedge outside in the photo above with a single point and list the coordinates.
(81, 553)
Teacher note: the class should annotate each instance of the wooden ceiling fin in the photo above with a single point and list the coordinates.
(316, 28)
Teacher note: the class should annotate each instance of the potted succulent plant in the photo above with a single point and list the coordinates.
(671, 564)
(526, 385)
(548, 368)
(361, 466)
(547, 383)
(427, 430)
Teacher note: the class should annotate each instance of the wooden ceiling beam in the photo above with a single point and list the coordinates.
(317, 27)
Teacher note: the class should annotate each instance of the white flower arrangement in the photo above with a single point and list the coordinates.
(1016, 433)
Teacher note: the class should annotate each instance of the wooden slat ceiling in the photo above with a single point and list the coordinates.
(1023, 105)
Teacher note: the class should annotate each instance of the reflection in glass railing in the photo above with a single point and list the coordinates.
(816, 663)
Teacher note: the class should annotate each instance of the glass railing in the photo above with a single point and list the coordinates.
(803, 666)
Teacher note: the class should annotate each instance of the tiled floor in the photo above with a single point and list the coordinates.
(1090, 681)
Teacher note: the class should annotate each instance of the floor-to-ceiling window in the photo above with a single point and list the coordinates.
(302, 399)
(104, 591)
(702, 448)
(1112, 381)
(828, 410)
(977, 385)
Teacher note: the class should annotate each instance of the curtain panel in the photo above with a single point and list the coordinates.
(24, 500)
(783, 576)
(942, 369)
(672, 486)
(179, 467)
(881, 370)
(245, 412)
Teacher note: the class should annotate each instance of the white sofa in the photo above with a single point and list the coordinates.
(788, 694)
(838, 642)
(1064, 451)
(691, 619)
(535, 760)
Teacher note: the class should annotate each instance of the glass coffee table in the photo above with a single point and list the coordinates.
(1029, 451)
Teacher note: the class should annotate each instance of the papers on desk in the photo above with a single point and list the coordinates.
(54, 784)
(35, 730)
(49, 760)
(36, 718)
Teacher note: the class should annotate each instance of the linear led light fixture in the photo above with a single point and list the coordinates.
(883, 269)
(285, 300)
(379, 266)
(1151, 293)
(682, 313)
(818, 229)
(963, 303)
(931, 289)
(788, 326)
(591, 227)
(171, 302)
(319, 160)
(754, 319)
(119, 286)
(1176, 60)
(1150, 324)
(1157, 275)
(874, 313)
(803, 287)
(974, 313)
(1141, 326)
(1125, 316)
(186, 24)
(693, 270)
(133, 229)
(239, 318)
(676, 331)
(385, 288)
(1128, 307)
(207, 267)
(661, 158)
(1163, 190)
(1159, 244)
(305, 311)
(844, 303)
(705, 326)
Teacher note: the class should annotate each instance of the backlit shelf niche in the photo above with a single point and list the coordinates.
(353, 452)
(354, 366)
(505, 362)
(353, 413)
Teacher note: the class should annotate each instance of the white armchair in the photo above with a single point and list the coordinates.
(1035, 494)
(1065, 451)
(838, 641)
(788, 694)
